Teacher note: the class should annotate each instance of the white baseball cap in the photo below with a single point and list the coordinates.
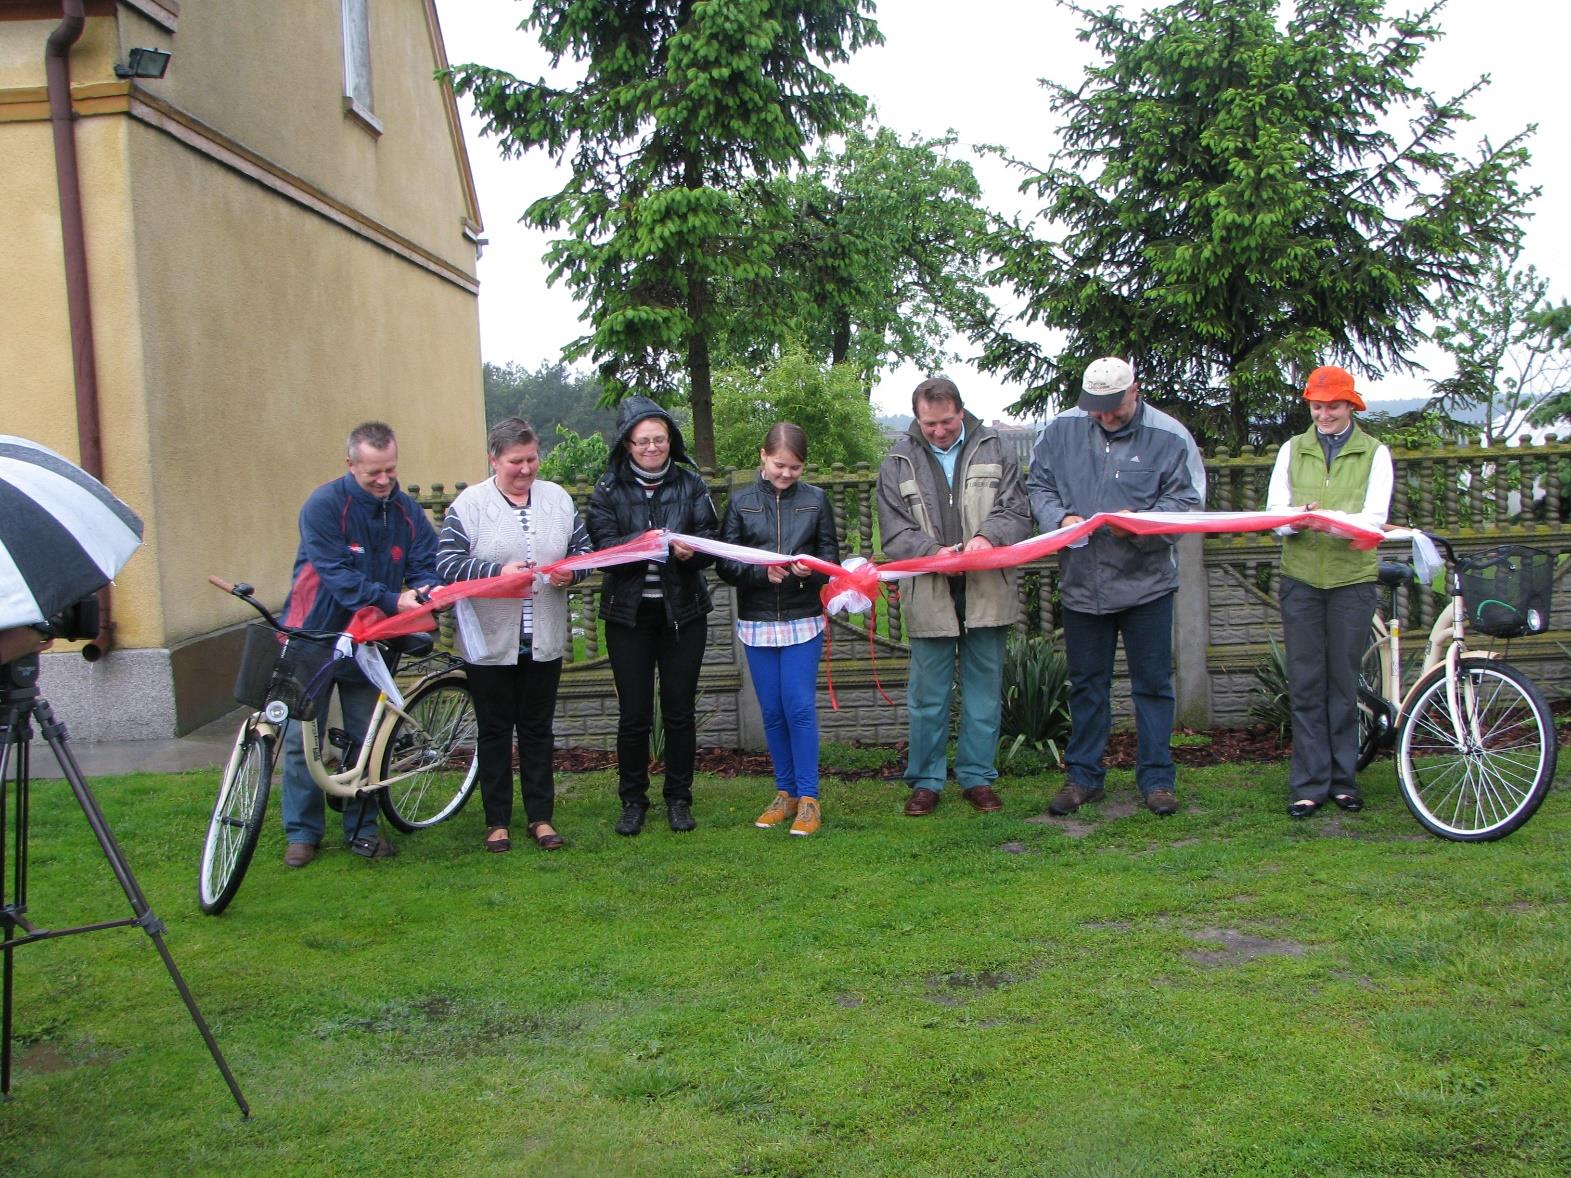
(1104, 384)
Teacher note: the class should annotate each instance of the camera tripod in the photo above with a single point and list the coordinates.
(20, 704)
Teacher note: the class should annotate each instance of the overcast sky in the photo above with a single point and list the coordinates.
(973, 67)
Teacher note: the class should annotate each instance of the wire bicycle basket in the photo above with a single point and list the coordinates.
(1507, 590)
(287, 667)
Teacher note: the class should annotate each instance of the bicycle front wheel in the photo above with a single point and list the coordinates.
(236, 822)
(1487, 781)
(428, 766)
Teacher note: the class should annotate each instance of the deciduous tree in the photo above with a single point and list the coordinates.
(1511, 362)
(876, 251)
(682, 102)
(824, 399)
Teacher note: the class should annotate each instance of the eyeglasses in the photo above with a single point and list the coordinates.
(649, 443)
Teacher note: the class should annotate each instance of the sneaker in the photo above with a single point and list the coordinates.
(372, 846)
(1071, 798)
(807, 815)
(632, 819)
(783, 807)
(680, 815)
(1162, 802)
(299, 854)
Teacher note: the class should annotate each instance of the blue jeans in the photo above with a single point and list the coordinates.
(981, 655)
(304, 812)
(1090, 641)
(786, 679)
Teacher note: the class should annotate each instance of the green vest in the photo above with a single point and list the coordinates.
(1315, 558)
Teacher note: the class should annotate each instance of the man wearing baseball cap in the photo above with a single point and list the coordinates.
(1114, 452)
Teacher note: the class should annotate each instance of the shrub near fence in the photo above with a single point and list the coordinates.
(1475, 497)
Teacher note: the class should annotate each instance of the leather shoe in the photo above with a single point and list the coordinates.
(632, 819)
(983, 800)
(1069, 799)
(921, 803)
(299, 854)
(680, 815)
(545, 836)
(1162, 802)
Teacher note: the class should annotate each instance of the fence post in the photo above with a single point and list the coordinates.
(1192, 635)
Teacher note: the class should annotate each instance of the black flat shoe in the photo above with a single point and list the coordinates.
(1302, 809)
(1348, 801)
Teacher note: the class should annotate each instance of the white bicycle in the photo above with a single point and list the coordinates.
(417, 762)
(1474, 740)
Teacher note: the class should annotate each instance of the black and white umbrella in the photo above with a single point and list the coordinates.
(62, 534)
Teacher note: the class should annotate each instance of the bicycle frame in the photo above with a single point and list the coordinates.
(1446, 644)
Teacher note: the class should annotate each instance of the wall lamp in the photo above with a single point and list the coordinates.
(144, 63)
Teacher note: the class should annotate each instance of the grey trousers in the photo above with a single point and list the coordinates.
(1327, 632)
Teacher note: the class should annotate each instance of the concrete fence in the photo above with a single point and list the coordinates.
(1224, 619)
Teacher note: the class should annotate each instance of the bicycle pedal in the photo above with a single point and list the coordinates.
(339, 739)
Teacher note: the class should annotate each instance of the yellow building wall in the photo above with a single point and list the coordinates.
(275, 83)
(270, 333)
(239, 334)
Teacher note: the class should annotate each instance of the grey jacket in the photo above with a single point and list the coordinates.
(990, 500)
(1077, 468)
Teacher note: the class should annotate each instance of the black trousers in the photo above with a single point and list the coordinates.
(636, 653)
(1327, 632)
(511, 699)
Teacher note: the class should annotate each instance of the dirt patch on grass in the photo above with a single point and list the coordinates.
(1073, 827)
(1014, 849)
(1235, 948)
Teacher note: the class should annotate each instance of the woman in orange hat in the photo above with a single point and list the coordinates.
(1327, 589)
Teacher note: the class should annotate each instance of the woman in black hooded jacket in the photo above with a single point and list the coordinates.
(656, 613)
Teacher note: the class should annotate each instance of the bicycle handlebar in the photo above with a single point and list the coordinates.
(246, 593)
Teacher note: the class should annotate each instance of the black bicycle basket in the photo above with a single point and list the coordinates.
(287, 667)
(1507, 590)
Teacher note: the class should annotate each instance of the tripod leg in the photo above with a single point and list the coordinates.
(12, 732)
(54, 733)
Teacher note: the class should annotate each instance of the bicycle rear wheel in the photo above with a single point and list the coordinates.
(429, 761)
(236, 822)
(1373, 715)
(1493, 780)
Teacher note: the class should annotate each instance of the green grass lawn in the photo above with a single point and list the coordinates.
(1223, 992)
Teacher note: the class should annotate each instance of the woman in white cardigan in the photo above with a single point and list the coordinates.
(512, 646)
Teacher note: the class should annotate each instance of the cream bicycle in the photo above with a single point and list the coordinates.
(417, 762)
(1474, 739)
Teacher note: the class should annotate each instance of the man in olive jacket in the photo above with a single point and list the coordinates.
(950, 485)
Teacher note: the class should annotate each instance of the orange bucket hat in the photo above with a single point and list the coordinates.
(1332, 384)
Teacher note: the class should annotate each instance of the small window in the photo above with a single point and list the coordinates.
(357, 63)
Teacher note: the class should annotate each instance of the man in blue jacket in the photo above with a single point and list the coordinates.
(1114, 452)
(362, 542)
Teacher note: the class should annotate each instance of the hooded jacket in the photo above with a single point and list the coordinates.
(357, 550)
(1078, 468)
(918, 513)
(619, 511)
